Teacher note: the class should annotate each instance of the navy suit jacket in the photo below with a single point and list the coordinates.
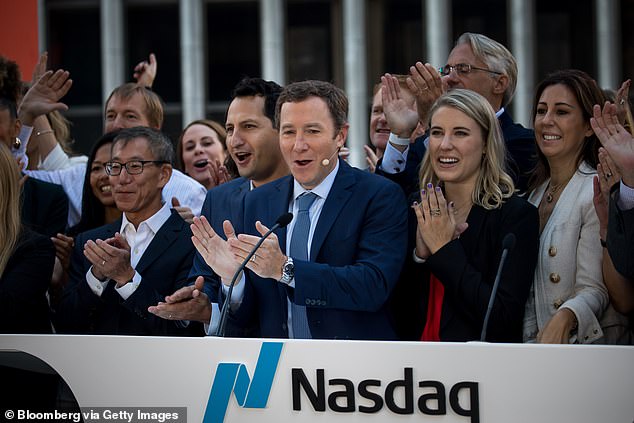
(357, 252)
(224, 202)
(163, 268)
(520, 146)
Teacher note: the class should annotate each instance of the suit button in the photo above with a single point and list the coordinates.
(552, 251)
(555, 278)
(558, 303)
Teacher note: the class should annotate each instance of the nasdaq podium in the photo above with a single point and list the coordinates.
(213, 380)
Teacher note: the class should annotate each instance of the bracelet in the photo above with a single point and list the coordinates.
(416, 258)
(45, 131)
(603, 243)
(395, 139)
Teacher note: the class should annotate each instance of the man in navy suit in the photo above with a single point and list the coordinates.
(253, 143)
(477, 63)
(337, 282)
(118, 270)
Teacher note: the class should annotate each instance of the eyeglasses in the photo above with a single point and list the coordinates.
(133, 167)
(463, 69)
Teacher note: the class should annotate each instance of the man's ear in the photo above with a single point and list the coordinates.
(165, 174)
(342, 135)
(501, 84)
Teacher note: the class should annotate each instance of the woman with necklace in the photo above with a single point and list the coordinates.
(568, 296)
(466, 208)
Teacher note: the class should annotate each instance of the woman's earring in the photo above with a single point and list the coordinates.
(17, 143)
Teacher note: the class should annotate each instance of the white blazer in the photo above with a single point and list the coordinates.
(568, 272)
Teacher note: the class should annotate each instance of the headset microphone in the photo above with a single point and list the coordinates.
(326, 162)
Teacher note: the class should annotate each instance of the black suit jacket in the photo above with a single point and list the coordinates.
(24, 283)
(520, 145)
(620, 237)
(163, 268)
(467, 267)
(44, 207)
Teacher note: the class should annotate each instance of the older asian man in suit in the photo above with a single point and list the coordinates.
(330, 273)
(118, 270)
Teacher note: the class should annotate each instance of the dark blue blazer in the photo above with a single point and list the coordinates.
(163, 268)
(357, 253)
(224, 202)
(521, 160)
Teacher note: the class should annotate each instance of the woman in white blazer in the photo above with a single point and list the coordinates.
(568, 296)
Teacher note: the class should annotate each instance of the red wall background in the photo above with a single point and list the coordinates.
(19, 33)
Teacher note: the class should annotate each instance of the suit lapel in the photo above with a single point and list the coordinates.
(337, 199)
(164, 238)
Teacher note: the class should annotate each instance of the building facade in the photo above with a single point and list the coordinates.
(205, 46)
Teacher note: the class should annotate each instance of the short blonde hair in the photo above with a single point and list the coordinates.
(493, 184)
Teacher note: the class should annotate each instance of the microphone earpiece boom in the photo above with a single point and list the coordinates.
(326, 162)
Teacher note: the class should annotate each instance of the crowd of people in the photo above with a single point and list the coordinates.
(144, 238)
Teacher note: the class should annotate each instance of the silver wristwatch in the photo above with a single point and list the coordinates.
(288, 271)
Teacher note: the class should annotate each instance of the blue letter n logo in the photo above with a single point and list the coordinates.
(234, 377)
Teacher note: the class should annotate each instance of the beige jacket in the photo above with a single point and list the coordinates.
(568, 272)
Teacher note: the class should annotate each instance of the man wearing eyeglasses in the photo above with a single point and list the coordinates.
(118, 270)
(477, 63)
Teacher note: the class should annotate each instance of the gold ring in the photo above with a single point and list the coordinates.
(103, 262)
(434, 212)
(425, 87)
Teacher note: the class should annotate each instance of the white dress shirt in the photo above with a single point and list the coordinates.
(138, 239)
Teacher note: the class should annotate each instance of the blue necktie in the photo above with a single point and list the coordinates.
(299, 251)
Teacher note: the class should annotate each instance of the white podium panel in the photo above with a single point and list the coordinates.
(239, 380)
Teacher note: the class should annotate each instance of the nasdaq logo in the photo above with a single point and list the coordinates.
(249, 392)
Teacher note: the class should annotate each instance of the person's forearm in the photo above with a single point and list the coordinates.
(43, 137)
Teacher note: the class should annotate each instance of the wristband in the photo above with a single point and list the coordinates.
(395, 139)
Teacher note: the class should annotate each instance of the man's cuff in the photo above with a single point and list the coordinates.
(237, 293)
(128, 289)
(393, 161)
(95, 285)
(625, 199)
(396, 140)
(211, 328)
